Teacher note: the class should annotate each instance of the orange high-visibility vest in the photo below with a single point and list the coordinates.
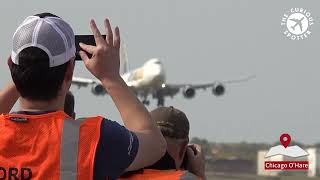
(153, 174)
(47, 147)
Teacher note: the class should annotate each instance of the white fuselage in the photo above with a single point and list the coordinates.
(151, 76)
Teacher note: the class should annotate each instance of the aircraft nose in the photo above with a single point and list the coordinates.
(157, 71)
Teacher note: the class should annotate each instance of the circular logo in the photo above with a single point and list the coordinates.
(296, 23)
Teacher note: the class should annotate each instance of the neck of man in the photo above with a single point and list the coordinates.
(32, 105)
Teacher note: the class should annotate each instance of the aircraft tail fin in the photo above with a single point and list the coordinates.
(124, 63)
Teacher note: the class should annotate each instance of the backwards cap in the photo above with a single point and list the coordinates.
(49, 33)
(172, 122)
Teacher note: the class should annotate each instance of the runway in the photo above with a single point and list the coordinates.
(212, 176)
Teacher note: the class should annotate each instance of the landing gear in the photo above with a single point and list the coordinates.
(145, 100)
(160, 101)
(160, 96)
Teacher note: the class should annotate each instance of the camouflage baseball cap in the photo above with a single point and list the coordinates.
(172, 122)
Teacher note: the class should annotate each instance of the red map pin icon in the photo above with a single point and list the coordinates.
(285, 140)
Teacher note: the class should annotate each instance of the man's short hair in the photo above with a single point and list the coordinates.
(172, 122)
(34, 78)
(69, 105)
(42, 47)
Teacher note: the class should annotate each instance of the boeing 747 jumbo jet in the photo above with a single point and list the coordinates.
(150, 79)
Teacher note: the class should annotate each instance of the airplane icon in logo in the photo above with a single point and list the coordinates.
(298, 22)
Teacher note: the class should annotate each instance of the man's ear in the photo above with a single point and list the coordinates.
(9, 62)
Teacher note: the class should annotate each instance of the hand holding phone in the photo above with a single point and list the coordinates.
(104, 63)
(86, 39)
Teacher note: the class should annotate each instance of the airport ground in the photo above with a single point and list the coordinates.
(214, 176)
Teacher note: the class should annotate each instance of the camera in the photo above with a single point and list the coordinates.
(86, 39)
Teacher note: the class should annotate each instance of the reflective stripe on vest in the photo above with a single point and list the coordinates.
(69, 149)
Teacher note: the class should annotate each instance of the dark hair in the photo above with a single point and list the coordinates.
(34, 78)
(69, 105)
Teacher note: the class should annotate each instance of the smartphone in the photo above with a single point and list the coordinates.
(86, 39)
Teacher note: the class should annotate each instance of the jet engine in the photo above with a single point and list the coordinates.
(189, 92)
(98, 89)
(218, 89)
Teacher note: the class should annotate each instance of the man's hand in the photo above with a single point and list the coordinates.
(105, 61)
(104, 65)
(196, 160)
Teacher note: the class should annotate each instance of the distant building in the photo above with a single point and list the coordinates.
(314, 162)
(313, 158)
(234, 166)
(260, 163)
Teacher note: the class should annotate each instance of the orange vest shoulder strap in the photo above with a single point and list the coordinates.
(89, 139)
(78, 145)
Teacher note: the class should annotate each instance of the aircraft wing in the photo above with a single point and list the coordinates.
(84, 82)
(195, 86)
(96, 85)
(248, 78)
(207, 85)
(188, 89)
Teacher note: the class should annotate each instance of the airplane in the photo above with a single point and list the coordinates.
(298, 22)
(150, 79)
